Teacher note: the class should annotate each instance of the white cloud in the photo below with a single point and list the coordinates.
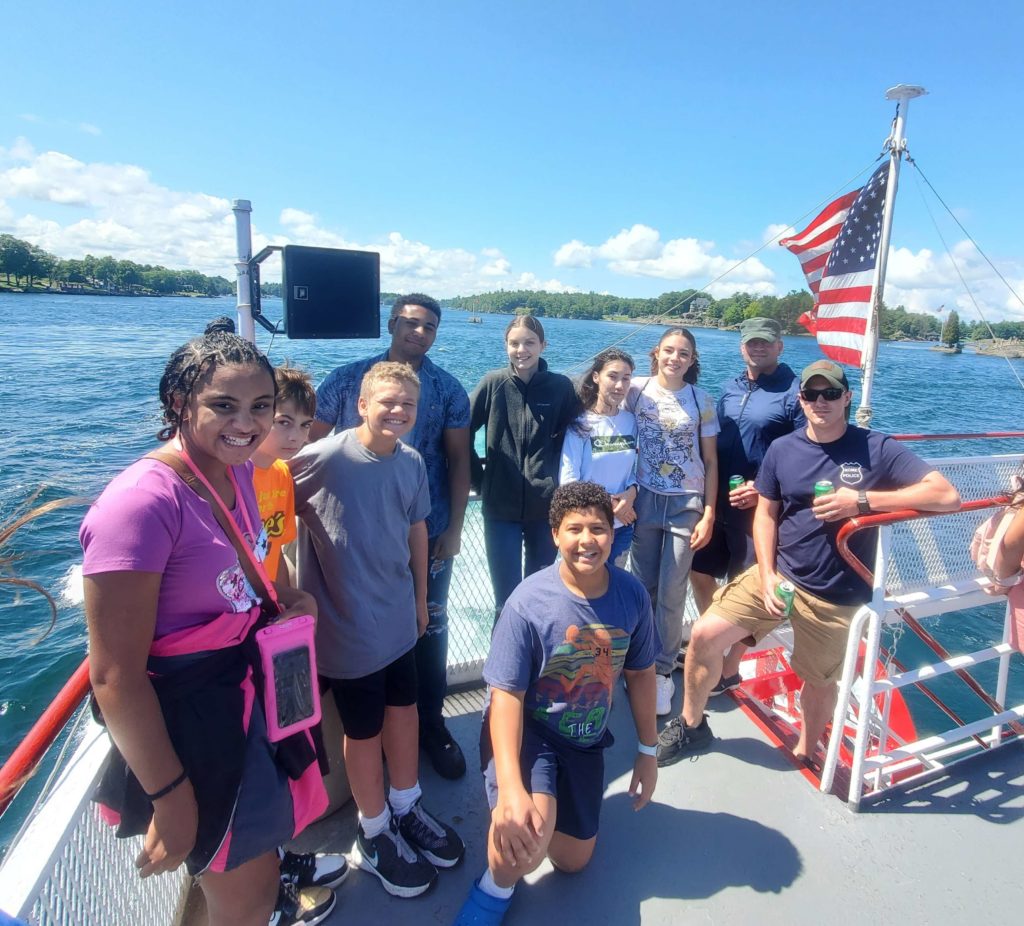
(119, 209)
(639, 251)
(776, 231)
(89, 128)
(923, 281)
(531, 281)
(574, 254)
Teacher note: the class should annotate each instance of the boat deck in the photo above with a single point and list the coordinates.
(735, 835)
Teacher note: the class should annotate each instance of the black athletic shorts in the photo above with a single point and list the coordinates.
(729, 551)
(361, 701)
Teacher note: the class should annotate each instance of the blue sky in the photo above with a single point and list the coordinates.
(630, 149)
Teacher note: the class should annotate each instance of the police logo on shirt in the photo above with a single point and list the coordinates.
(851, 474)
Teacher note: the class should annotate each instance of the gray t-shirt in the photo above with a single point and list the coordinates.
(355, 509)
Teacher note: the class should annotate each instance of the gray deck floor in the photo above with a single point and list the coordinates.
(734, 836)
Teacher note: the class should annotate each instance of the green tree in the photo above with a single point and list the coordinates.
(951, 335)
(15, 257)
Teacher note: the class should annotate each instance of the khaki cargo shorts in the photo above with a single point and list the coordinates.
(820, 628)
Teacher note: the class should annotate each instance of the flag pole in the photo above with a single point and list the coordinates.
(897, 145)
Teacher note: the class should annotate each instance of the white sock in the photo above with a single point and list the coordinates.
(401, 801)
(374, 826)
(488, 886)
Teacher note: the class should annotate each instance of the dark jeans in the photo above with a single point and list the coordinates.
(505, 542)
(432, 647)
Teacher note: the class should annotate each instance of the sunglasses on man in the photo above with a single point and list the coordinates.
(829, 394)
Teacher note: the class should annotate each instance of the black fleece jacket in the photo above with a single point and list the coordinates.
(525, 426)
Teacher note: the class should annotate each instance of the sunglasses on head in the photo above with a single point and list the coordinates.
(829, 394)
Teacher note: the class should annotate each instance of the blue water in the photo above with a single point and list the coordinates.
(78, 378)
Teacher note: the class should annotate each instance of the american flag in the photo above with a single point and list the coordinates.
(838, 252)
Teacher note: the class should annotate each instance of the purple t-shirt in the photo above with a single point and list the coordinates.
(148, 520)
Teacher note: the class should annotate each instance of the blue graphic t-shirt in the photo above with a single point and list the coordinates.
(443, 405)
(567, 652)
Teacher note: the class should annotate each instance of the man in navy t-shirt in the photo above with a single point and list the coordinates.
(795, 541)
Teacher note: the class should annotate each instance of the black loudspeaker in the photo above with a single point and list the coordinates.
(330, 293)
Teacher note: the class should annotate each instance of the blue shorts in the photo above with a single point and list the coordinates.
(573, 777)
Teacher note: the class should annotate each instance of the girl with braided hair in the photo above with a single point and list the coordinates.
(171, 611)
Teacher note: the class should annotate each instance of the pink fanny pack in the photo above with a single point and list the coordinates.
(290, 693)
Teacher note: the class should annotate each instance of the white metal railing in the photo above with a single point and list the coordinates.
(68, 868)
(922, 569)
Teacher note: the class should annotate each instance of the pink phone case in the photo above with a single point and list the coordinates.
(290, 680)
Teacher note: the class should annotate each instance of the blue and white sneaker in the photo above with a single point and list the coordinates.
(481, 909)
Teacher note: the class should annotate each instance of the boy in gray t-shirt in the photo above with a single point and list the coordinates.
(362, 499)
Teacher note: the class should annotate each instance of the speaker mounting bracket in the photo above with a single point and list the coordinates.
(255, 296)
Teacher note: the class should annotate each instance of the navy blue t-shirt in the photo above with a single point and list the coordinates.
(807, 552)
(567, 652)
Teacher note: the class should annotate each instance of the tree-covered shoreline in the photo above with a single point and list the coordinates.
(36, 270)
(700, 309)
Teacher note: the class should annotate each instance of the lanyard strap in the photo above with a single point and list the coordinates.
(190, 474)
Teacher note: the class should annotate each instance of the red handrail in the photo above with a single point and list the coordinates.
(890, 517)
(23, 761)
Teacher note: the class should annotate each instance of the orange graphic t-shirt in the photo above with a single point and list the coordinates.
(275, 495)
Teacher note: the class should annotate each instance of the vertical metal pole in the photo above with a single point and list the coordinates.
(242, 209)
(903, 94)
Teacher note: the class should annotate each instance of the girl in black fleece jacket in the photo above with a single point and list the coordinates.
(526, 409)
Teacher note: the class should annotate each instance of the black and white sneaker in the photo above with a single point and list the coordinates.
(302, 908)
(438, 842)
(677, 740)
(313, 869)
(402, 870)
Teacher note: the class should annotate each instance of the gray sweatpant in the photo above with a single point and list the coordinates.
(660, 558)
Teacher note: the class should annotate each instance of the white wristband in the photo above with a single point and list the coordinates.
(645, 750)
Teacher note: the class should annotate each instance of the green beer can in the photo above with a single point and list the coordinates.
(735, 482)
(787, 592)
(824, 487)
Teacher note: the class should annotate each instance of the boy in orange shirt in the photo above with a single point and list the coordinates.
(275, 490)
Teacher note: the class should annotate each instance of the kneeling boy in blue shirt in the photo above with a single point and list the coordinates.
(563, 638)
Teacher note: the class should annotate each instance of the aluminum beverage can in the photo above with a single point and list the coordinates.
(824, 487)
(735, 482)
(787, 592)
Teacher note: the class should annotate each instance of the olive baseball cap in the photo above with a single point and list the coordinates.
(827, 370)
(767, 329)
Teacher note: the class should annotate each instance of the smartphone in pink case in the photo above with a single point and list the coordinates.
(290, 691)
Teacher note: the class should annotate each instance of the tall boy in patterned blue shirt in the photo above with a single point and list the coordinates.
(441, 435)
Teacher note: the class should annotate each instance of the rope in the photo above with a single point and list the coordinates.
(919, 175)
(58, 767)
(657, 319)
(995, 270)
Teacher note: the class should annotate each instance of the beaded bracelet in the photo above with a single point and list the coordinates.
(163, 792)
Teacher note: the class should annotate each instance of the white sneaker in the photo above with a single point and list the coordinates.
(666, 688)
